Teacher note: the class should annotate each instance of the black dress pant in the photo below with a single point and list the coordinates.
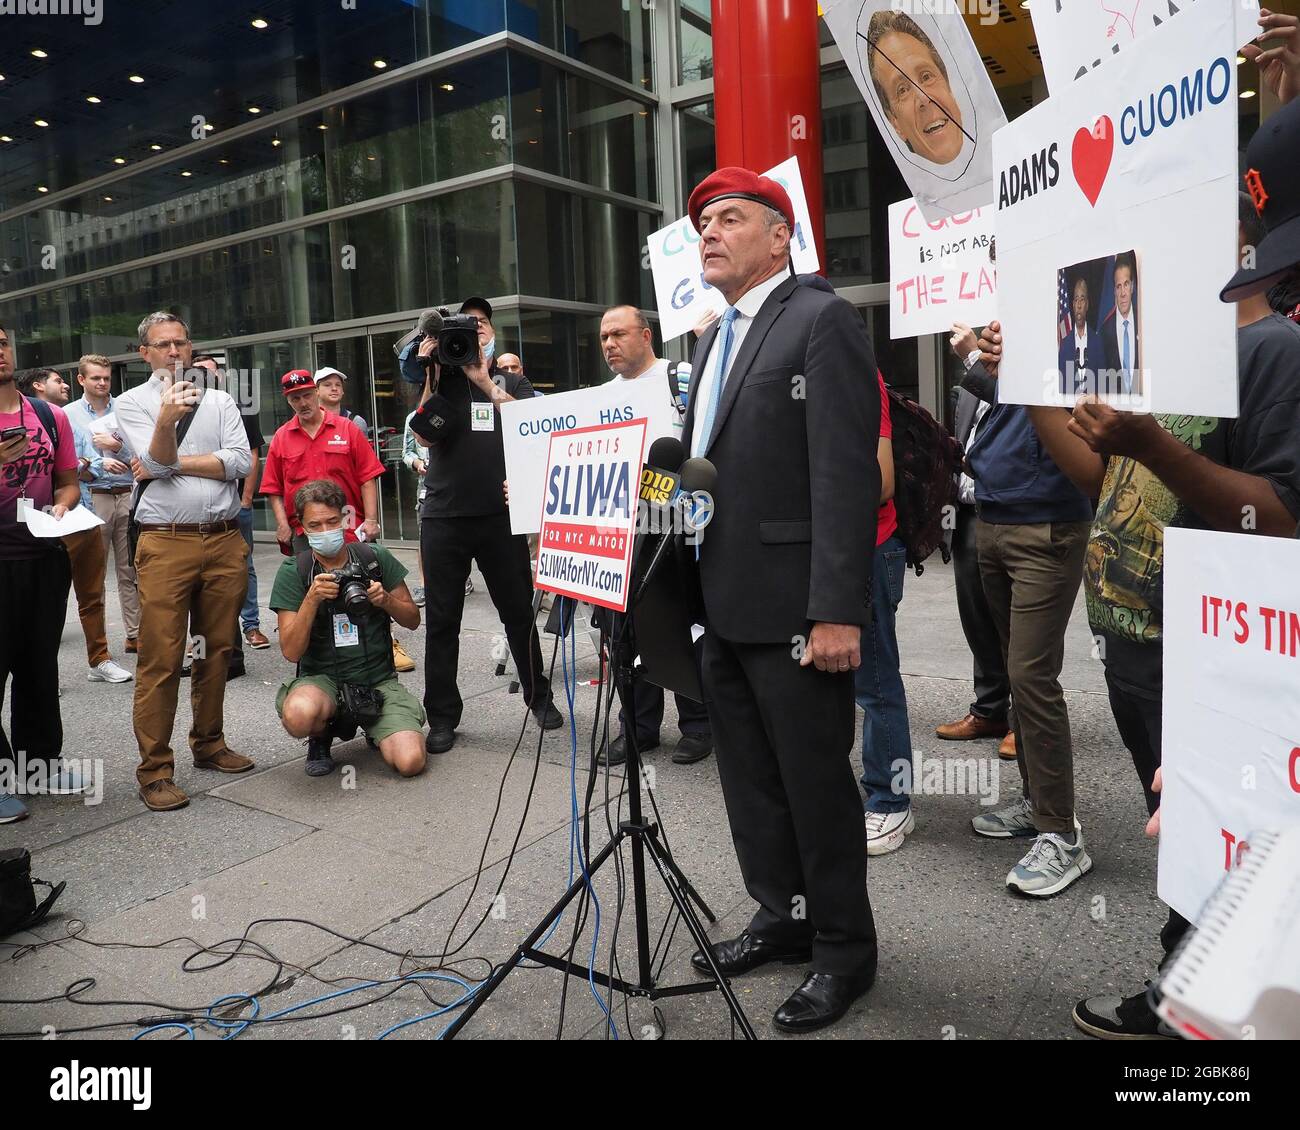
(1140, 727)
(692, 716)
(992, 687)
(448, 546)
(784, 735)
(33, 606)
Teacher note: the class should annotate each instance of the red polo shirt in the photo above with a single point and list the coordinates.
(339, 452)
(887, 519)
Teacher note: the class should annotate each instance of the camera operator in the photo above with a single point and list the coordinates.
(334, 603)
(465, 519)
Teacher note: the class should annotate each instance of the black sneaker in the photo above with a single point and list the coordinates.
(319, 761)
(1116, 1018)
(616, 754)
(692, 748)
(548, 717)
(440, 738)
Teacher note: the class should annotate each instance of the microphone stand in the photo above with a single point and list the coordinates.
(644, 837)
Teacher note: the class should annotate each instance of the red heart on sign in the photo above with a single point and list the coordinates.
(1091, 156)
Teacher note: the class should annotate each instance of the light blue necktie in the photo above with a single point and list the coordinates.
(1128, 376)
(725, 338)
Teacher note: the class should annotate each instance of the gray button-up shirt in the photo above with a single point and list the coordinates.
(217, 429)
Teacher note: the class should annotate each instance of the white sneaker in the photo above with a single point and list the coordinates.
(887, 830)
(1051, 865)
(66, 781)
(109, 672)
(1017, 819)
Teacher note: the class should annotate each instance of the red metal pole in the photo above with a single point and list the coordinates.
(767, 91)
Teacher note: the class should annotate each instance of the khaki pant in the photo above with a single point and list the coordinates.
(89, 562)
(1031, 577)
(193, 580)
(114, 511)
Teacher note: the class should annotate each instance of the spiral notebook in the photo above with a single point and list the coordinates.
(1237, 976)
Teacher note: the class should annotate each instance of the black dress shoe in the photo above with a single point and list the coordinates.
(236, 671)
(740, 955)
(692, 748)
(439, 739)
(821, 1000)
(616, 752)
(548, 717)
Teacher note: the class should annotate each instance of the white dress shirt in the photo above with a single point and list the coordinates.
(218, 429)
(966, 485)
(748, 307)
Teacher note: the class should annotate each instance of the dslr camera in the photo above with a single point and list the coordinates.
(353, 581)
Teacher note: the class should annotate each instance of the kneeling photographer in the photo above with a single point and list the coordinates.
(334, 603)
(464, 517)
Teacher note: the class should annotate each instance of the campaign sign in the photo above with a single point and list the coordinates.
(593, 482)
(528, 425)
(1075, 36)
(940, 271)
(1231, 740)
(1116, 229)
(682, 295)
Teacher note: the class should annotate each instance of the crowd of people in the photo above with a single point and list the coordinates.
(800, 574)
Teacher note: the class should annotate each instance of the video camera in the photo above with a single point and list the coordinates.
(457, 336)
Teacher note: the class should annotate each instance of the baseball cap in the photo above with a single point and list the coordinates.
(295, 380)
(477, 303)
(330, 371)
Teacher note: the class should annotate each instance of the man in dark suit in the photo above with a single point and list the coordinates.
(1080, 357)
(784, 404)
(1119, 335)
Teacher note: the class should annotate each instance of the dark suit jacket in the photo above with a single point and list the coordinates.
(1112, 351)
(794, 528)
(1095, 359)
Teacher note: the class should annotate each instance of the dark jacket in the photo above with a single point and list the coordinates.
(1016, 480)
(798, 489)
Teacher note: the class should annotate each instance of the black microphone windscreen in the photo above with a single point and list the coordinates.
(699, 474)
(666, 453)
(430, 323)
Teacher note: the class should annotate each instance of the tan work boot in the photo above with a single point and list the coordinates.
(163, 795)
(401, 660)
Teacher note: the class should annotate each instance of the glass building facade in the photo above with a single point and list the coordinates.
(298, 179)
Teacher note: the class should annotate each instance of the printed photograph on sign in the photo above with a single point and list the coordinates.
(929, 93)
(1097, 327)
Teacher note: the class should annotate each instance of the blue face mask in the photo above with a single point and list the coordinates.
(328, 543)
(489, 351)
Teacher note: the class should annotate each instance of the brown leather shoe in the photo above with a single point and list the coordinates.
(226, 761)
(1007, 750)
(132, 647)
(970, 728)
(256, 639)
(163, 795)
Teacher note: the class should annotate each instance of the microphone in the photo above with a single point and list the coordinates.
(696, 475)
(659, 478)
(430, 322)
(667, 452)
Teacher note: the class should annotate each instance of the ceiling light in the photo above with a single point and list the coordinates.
(1247, 94)
(448, 87)
(275, 142)
(2, 78)
(380, 64)
(39, 54)
(136, 78)
(41, 188)
(260, 24)
(186, 173)
(322, 126)
(5, 137)
(42, 123)
(93, 99)
(255, 109)
(371, 157)
(119, 160)
(209, 127)
(108, 200)
(156, 148)
(223, 161)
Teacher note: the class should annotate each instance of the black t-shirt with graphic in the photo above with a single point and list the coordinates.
(1123, 577)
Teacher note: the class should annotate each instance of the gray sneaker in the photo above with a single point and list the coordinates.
(1017, 819)
(11, 809)
(109, 672)
(1050, 866)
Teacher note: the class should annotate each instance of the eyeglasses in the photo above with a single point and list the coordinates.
(179, 343)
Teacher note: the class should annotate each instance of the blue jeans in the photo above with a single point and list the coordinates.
(249, 617)
(878, 684)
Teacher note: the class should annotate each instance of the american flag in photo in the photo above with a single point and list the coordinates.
(1064, 323)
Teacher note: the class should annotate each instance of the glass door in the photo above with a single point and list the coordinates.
(393, 401)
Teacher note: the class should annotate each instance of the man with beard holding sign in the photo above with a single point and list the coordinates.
(784, 403)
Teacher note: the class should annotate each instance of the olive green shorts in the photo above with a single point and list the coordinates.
(402, 710)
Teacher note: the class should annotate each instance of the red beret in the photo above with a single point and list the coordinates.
(726, 184)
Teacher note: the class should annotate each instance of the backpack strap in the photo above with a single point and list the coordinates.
(45, 414)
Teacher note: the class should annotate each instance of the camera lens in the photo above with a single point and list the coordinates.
(457, 349)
